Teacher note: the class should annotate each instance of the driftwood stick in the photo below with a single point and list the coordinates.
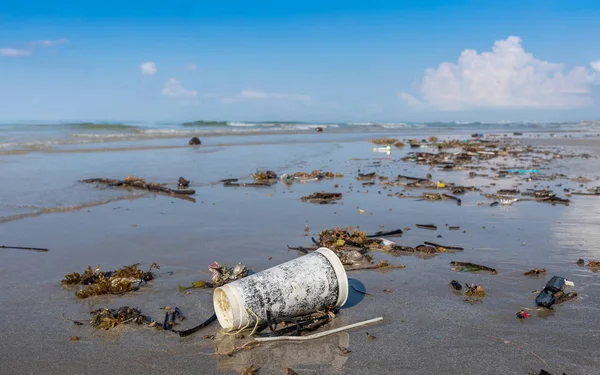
(446, 247)
(375, 267)
(39, 249)
(139, 184)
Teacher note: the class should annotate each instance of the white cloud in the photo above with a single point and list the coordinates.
(174, 88)
(411, 100)
(191, 67)
(595, 65)
(13, 52)
(247, 95)
(505, 77)
(49, 43)
(148, 68)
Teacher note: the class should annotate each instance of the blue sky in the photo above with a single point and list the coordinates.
(308, 60)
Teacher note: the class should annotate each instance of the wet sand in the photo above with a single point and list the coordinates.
(426, 328)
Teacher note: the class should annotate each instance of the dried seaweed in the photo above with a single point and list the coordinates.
(252, 370)
(110, 318)
(322, 197)
(383, 141)
(535, 271)
(470, 267)
(593, 264)
(120, 281)
(264, 175)
(474, 293)
(339, 237)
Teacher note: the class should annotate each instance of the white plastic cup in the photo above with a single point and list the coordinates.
(297, 287)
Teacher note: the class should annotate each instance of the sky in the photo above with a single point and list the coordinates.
(393, 61)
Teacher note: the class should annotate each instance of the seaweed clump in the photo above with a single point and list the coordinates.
(339, 237)
(383, 141)
(593, 264)
(265, 175)
(474, 293)
(98, 282)
(110, 318)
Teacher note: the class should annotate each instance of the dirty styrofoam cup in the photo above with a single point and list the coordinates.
(297, 287)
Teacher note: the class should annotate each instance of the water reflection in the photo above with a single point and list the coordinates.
(579, 228)
(278, 355)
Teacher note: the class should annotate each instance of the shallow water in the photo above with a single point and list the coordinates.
(426, 329)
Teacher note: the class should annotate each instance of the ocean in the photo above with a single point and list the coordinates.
(40, 136)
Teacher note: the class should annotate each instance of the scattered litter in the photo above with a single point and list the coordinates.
(522, 314)
(553, 293)
(456, 285)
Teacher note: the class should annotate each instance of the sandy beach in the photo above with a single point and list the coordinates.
(427, 328)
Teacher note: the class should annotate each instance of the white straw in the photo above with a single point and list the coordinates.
(320, 334)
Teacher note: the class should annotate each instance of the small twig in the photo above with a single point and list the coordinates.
(247, 346)
(25, 248)
(360, 291)
(523, 349)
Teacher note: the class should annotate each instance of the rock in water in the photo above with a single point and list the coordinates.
(183, 182)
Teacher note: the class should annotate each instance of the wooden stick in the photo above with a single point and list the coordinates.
(25, 248)
(447, 247)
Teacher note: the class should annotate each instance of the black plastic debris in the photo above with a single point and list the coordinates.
(553, 293)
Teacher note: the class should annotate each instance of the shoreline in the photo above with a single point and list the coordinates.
(227, 224)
